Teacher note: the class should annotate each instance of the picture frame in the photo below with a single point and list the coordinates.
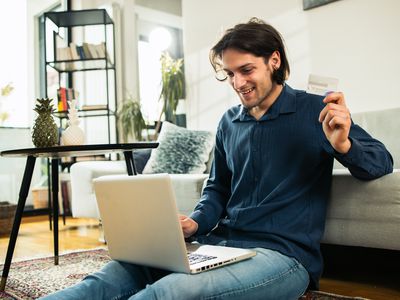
(309, 4)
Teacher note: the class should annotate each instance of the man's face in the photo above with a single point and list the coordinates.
(249, 75)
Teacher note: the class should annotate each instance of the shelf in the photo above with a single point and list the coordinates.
(102, 112)
(80, 18)
(92, 67)
(81, 65)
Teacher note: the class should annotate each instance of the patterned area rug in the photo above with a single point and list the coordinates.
(31, 279)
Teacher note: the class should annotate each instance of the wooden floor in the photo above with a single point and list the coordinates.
(348, 272)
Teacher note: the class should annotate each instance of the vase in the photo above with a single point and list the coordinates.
(73, 135)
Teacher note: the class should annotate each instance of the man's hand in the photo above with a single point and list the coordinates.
(189, 226)
(336, 122)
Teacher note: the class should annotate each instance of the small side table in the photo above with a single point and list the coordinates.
(55, 153)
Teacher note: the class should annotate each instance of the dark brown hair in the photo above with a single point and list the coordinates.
(255, 37)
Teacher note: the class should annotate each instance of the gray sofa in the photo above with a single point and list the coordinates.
(360, 213)
(367, 213)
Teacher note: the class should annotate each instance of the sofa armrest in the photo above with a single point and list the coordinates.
(187, 188)
(364, 213)
(83, 200)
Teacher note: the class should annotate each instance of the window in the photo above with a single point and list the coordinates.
(153, 40)
(14, 63)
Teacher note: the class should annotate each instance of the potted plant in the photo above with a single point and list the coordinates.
(131, 119)
(173, 86)
(5, 91)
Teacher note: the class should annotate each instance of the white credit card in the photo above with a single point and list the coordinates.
(321, 85)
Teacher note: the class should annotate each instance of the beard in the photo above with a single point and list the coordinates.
(262, 92)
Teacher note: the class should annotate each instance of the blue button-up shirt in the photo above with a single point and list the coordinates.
(271, 178)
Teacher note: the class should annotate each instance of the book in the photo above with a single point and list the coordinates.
(101, 50)
(92, 50)
(74, 51)
(94, 106)
(80, 51)
(64, 95)
(62, 99)
(86, 50)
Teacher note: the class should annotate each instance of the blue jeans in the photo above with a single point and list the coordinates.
(268, 275)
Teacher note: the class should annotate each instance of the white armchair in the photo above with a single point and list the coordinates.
(187, 187)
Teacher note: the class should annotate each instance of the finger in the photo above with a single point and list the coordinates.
(182, 217)
(337, 122)
(332, 107)
(336, 97)
(186, 223)
(335, 114)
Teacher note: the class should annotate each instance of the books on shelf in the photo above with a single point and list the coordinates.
(94, 106)
(64, 95)
(74, 51)
(86, 51)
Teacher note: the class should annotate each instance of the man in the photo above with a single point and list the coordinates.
(268, 187)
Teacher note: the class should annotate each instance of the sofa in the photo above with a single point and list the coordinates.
(360, 213)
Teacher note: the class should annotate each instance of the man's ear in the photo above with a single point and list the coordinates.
(275, 60)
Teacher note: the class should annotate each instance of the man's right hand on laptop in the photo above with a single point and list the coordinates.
(189, 226)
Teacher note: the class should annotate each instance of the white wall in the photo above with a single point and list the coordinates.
(356, 41)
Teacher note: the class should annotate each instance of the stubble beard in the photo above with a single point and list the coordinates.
(261, 99)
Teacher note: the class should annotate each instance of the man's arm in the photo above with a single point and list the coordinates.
(215, 195)
(366, 157)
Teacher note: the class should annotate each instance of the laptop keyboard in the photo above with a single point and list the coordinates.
(195, 258)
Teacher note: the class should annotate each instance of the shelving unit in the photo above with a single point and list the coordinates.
(67, 69)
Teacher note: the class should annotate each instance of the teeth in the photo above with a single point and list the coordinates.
(247, 91)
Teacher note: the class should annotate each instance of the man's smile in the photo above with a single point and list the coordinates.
(246, 91)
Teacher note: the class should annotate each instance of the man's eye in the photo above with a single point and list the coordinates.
(246, 71)
(230, 74)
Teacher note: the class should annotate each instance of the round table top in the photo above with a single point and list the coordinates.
(78, 150)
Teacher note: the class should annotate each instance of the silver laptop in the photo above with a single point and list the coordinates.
(141, 226)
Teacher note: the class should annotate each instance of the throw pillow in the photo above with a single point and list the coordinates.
(141, 156)
(181, 151)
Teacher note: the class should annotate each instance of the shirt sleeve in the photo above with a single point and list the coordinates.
(367, 158)
(211, 206)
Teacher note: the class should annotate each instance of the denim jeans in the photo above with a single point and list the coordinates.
(268, 275)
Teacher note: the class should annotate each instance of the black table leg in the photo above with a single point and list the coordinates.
(54, 184)
(49, 193)
(23, 193)
(130, 163)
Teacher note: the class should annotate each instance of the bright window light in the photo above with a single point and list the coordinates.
(14, 63)
(160, 38)
(150, 80)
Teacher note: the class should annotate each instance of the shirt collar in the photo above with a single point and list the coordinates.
(285, 103)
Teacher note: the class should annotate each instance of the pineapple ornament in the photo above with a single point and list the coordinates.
(45, 131)
(73, 135)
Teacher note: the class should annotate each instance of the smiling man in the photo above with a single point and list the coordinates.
(268, 187)
(271, 177)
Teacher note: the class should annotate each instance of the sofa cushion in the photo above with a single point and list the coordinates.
(364, 213)
(141, 156)
(181, 151)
